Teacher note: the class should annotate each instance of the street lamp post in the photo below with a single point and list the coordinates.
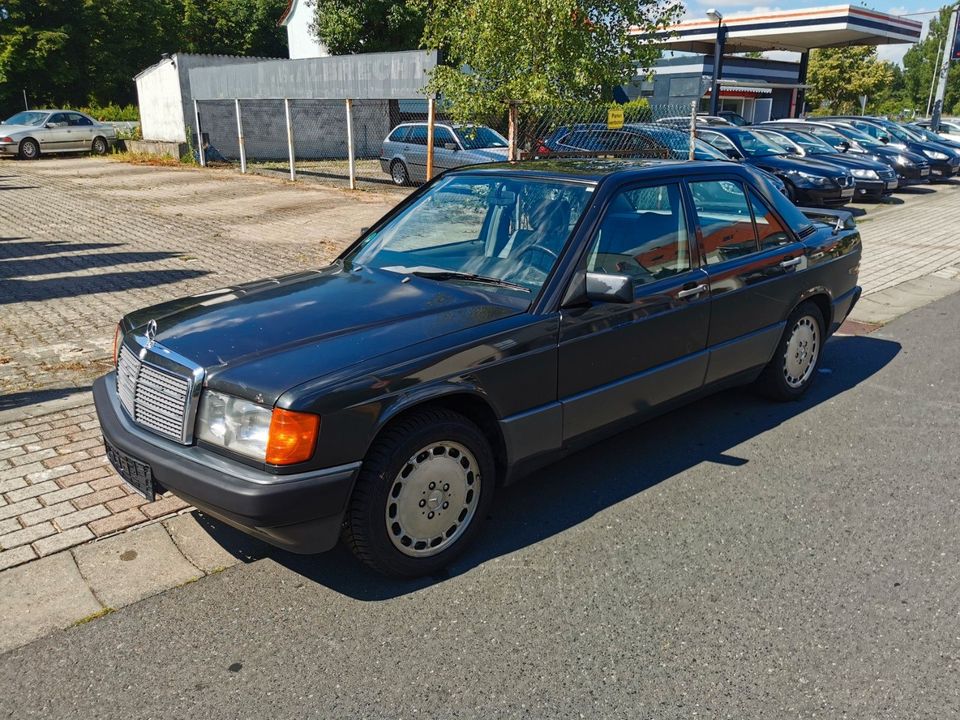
(714, 14)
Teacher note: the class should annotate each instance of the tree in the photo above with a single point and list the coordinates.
(839, 76)
(921, 61)
(354, 26)
(538, 51)
(233, 27)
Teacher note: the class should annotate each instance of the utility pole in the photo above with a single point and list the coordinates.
(933, 80)
(948, 47)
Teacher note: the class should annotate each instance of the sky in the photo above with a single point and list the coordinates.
(893, 53)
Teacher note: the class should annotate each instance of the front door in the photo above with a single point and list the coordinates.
(446, 152)
(618, 361)
(752, 260)
(56, 136)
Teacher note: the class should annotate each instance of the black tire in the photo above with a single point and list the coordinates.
(100, 146)
(377, 492)
(791, 191)
(399, 173)
(776, 381)
(29, 149)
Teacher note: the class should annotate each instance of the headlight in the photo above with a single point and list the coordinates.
(934, 155)
(810, 178)
(275, 436)
(865, 174)
(903, 161)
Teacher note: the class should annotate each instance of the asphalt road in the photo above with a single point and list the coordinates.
(735, 559)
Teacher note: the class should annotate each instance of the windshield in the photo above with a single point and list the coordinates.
(27, 118)
(755, 144)
(504, 227)
(810, 144)
(899, 133)
(475, 137)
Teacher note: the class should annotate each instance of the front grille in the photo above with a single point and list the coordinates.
(153, 398)
(844, 181)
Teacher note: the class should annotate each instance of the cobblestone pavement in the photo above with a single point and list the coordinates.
(82, 241)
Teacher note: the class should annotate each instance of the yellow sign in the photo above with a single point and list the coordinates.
(614, 118)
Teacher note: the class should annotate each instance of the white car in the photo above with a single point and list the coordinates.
(32, 133)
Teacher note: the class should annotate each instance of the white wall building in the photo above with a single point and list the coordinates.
(301, 43)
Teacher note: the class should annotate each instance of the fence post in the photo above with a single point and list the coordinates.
(243, 149)
(351, 155)
(512, 132)
(431, 120)
(693, 128)
(196, 116)
(293, 162)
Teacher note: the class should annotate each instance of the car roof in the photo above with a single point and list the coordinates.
(595, 169)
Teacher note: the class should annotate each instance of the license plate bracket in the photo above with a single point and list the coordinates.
(136, 474)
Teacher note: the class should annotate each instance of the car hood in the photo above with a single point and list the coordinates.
(14, 129)
(787, 163)
(486, 155)
(259, 339)
(852, 162)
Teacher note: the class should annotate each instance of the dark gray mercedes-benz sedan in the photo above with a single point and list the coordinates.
(499, 318)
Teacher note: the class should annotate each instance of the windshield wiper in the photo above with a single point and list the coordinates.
(469, 277)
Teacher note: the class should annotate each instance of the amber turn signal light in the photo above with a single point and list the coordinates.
(292, 438)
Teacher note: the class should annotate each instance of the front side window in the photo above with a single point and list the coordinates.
(58, 119)
(720, 142)
(508, 228)
(643, 234)
(418, 135)
(725, 220)
(442, 136)
(477, 137)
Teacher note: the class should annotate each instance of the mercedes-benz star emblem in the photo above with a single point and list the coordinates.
(151, 332)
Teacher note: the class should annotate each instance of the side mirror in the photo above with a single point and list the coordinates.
(884, 139)
(450, 146)
(844, 146)
(364, 230)
(51, 125)
(609, 288)
(732, 153)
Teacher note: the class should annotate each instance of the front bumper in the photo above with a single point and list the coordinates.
(9, 148)
(874, 188)
(826, 195)
(943, 170)
(301, 513)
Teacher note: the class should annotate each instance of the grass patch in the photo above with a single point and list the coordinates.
(141, 158)
(93, 616)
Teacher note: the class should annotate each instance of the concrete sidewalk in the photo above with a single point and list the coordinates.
(76, 586)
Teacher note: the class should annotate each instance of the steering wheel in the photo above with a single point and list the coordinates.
(541, 248)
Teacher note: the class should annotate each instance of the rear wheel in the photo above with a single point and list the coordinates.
(99, 146)
(399, 174)
(794, 365)
(421, 496)
(29, 149)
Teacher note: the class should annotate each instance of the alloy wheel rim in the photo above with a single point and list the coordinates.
(29, 149)
(399, 176)
(433, 499)
(98, 147)
(803, 348)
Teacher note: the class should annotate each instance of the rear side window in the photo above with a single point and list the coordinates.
(725, 221)
(399, 134)
(769, 228)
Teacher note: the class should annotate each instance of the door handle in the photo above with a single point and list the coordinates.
(791, 263)
(691, 292)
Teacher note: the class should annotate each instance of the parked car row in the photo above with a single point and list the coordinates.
(823, 162)
(32, 133)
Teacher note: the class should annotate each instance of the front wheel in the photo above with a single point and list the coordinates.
(794, 365)
(422, 494)
(29, 149)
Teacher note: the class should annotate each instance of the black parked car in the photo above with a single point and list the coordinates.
(808, 181)
(944, 161)
(496, 320)
(873, 180)
(910, 167)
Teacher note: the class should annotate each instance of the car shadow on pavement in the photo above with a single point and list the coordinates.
(13, 249)
(29, 398)
(31, 290)
(570, 492)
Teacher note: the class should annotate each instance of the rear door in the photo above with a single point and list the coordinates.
(81, 131)
(617, 361)
(752, 260)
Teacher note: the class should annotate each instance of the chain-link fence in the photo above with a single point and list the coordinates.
(395, 142)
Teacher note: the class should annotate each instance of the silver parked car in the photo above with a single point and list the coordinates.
(404, 152)
(31, 133)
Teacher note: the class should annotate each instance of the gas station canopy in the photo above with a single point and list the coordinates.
(793, 30)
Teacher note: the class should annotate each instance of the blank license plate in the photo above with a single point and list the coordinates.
(925, 172)
(136, 474)
(846, 193)
(891, 184)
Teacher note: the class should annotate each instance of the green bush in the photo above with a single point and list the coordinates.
(111, 112)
